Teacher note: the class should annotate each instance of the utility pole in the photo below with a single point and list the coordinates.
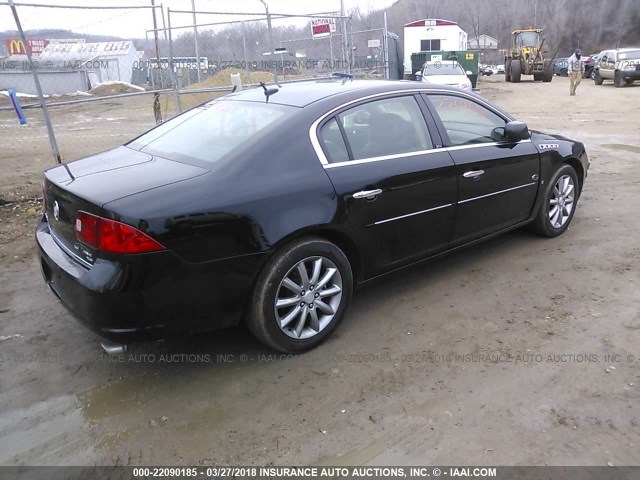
(195, 37)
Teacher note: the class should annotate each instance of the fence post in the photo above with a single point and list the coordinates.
(244, 48)
(176, 96)
(345, 40)
(272, 47)
(157, 45)
(45, 112)
(385, 47)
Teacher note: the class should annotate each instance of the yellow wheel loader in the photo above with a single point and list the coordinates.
(527, 56)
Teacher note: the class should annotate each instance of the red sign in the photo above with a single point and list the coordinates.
(322, 27)
(36, 46)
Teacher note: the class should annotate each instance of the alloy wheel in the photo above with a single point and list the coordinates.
(308, 297)
(561, 202)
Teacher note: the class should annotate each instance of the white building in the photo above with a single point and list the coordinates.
(102, 61)
(483, 42)
(71, 67)
(432, 34)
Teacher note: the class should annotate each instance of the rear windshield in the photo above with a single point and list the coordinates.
(204, 135)
(443, 69)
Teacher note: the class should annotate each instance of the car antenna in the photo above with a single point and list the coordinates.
(68, 171)
(268, 91)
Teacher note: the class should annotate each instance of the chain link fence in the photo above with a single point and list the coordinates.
(66, 92)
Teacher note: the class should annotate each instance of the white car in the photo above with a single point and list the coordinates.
(446, 72)
(500, 69)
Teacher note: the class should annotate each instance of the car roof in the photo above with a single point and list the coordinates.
(628, 49)
(301, 94)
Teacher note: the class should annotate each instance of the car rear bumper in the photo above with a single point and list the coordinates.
(149, 296)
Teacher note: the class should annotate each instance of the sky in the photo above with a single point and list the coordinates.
(133, 23)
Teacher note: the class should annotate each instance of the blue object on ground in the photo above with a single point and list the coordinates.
(16, 106)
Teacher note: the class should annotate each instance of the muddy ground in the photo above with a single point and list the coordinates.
(518, 351)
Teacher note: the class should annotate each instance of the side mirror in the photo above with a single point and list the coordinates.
(516, 131)
(418, 76)
(469, 72)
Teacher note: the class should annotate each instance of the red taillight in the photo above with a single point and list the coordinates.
(111, 236)
(86, 228)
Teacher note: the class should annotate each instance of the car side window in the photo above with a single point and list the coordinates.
(333, 143)
(611, 59)
(467, 122)
(385, 127)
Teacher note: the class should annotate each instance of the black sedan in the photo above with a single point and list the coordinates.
(269, 206)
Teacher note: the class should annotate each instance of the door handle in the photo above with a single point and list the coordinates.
(367, 194)
(473, 173)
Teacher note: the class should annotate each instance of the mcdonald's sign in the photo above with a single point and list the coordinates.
(16, 46)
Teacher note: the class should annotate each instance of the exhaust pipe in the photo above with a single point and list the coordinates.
(113, 348)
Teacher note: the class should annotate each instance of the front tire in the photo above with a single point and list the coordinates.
(516, 71)
(301, 295)
(597, 78)
(559, 204)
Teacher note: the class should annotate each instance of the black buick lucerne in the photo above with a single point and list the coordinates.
(269, 206)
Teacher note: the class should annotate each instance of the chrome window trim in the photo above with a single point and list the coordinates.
(496, 193)
(412, 154)
(488, 144)
(384, 157)
(315, 140)
(380, 222)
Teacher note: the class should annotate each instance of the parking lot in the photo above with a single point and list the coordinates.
(518, 351)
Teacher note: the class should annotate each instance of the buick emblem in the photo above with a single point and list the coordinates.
(56, 211)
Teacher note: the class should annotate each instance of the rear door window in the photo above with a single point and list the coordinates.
(385, 127)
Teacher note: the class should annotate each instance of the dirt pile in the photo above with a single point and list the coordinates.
(223, 78)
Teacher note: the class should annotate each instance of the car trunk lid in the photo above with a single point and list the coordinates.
(90, 183)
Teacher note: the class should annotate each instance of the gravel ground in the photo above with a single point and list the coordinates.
(518, 351)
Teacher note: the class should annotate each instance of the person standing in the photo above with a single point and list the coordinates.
(576, 70)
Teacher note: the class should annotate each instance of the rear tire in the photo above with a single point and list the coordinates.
(516, 71)
(559, 204)
(537, 77)
(507, 71)
(292, 311)
(547, 76)
(618, 81)
(597, 78)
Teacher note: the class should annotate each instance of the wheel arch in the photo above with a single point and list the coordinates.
(340, 239)
(577, 166)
